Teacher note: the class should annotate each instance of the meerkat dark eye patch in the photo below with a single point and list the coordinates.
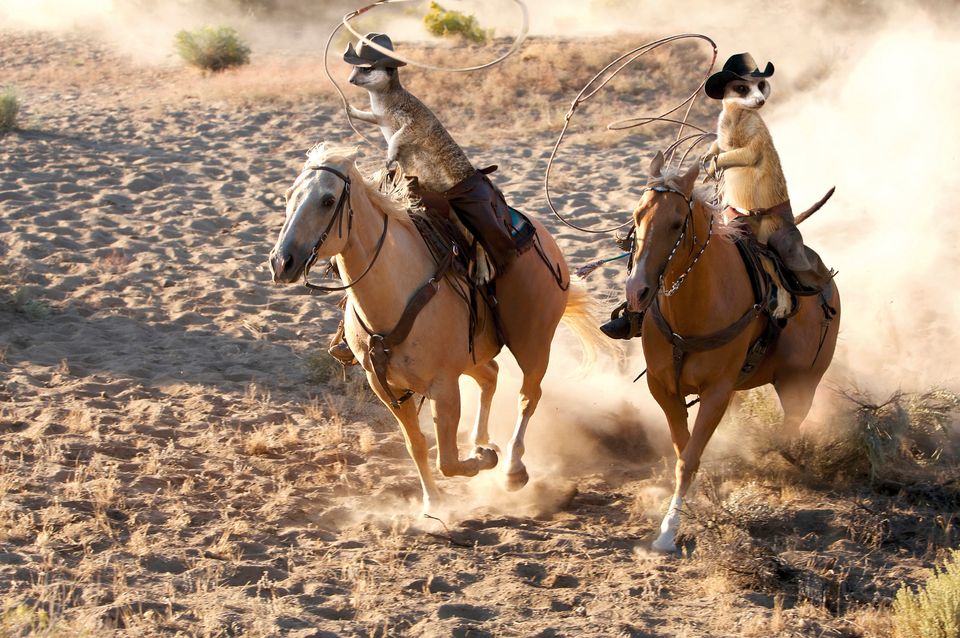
(762, 85)
(740, 88)
(364, 70)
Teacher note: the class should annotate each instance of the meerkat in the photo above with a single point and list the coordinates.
(416, 139)
(419, 143)
(753, 179)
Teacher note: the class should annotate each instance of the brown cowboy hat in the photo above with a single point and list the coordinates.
(739, 67)
(366, 55)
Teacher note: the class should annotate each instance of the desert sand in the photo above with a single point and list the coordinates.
(179, 456)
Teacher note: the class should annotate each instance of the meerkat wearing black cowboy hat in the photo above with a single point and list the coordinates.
(754, 188)
(420, 144)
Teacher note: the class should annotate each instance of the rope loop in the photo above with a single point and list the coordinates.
(589, 91)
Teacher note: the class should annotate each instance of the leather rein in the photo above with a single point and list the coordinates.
(337, 218)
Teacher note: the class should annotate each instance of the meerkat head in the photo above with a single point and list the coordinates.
(375, 80)
(746, 93)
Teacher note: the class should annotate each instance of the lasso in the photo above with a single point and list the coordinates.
(589, 91)
(345, 23)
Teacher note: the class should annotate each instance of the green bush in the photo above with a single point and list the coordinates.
(9, 107)
(212, 48)
(443, 23)
(934, 610)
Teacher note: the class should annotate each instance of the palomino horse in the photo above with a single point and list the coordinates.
(383, 260)
(702, 319)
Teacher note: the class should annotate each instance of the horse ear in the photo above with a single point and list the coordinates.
(657, 165)
(689, 179)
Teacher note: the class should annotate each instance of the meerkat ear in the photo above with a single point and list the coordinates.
(657, 165)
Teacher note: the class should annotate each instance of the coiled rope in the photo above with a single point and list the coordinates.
(345, 23)
(595, 85)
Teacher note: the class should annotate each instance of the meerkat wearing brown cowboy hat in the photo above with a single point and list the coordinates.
(420, 144)
(753, 186)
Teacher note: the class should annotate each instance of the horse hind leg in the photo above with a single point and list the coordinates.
(486, 377)
(530, 393)
(796, 398)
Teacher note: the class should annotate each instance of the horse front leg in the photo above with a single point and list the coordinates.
(445, 405)
(407, 417)
(713, 404)
(675, 409)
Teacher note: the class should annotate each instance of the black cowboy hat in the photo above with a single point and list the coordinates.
(739, 67)
(366, 55)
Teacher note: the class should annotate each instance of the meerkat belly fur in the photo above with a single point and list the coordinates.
(416, 139)
(744, 150)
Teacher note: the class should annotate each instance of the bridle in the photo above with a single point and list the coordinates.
(687, 223)
(337, 218)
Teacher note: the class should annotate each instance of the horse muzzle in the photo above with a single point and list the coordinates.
(639, 296)
(283, 266)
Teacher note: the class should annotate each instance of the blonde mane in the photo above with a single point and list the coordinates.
(393, 198)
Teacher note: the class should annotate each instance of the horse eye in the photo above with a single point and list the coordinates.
(327, 201)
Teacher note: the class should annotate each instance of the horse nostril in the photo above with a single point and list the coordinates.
(286, 263)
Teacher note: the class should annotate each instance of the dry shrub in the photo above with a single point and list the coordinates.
(454, 24)
(9, 108)
(934, 610)
(905, 440)
(212, 48)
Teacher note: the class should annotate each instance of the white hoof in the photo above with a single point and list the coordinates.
(664, 545)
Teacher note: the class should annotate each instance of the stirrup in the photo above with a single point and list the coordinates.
(343, 354)
(623, 324)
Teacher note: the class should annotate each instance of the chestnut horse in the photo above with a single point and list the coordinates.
(384, 263)
(687, 266)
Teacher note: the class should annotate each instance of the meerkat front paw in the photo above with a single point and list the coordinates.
(709, 165)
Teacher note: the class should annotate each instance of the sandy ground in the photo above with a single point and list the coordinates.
(179, 457)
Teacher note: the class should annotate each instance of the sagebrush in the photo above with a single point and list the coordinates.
(9, 108)
(212, 48)
(443, 23)
(934, 610)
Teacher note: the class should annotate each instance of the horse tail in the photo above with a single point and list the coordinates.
(580, 316)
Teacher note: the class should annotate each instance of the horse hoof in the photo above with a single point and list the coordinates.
(487, 457)
(516, 480)
(664, 546)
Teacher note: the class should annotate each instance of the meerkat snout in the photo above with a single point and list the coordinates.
(747, 94)
(370, 78)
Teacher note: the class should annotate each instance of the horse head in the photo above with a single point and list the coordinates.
(659, 219)
(318, 214)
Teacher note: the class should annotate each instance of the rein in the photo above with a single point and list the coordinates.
(687, 223)
(337, 219)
